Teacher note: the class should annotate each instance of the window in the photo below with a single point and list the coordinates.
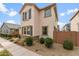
(47, 13)
(29, 13)
(26, 15)
(29, 30)
(24, 30)
(44, 30)
(23, 16)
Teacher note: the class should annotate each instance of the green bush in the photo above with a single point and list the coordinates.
(29, 41)
(68, 45)
(48, 42)
(42, 40)
(5, 35)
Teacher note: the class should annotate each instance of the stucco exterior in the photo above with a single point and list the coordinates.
(75, 23)
(38, 20)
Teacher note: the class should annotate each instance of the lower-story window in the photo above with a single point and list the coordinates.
(24, 30)
(27, 30)
(44, 30)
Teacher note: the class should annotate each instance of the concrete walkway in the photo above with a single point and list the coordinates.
(15, 49)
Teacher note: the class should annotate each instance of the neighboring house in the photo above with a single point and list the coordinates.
(0, 30)
(75, 22)
(38, 21)
(66, 27)
(8, 28)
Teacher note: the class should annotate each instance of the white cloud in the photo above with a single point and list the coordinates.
(11, 21)
(69, 11)
(72, 11)
(76, 9)
(62, 14)
(12, 13)
(3, 8)
(9, 12)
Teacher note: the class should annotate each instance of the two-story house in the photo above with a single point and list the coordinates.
(38, 21)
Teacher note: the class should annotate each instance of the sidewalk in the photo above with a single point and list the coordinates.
(15, 49)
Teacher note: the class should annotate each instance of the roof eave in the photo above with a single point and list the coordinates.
(54, 4)
(74, 15)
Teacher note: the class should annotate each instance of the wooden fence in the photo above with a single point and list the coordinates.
(59, 37)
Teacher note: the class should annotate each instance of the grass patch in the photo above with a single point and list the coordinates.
(5, 53)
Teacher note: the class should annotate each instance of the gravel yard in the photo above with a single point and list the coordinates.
(56, 50)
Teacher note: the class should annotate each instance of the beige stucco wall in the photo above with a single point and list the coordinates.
(31, 21)
(74, 23)
(47, 21)
(36, 22)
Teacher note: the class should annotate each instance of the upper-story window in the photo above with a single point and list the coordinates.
(27, 15)
(47, 12)
(23, 16)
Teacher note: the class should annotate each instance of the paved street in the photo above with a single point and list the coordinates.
(15, 49)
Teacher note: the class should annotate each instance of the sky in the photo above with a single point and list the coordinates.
(9, 12)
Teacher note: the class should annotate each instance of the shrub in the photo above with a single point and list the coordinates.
(29, 41)
(42, 40)
(5, 53)
(5, 35)
(68, 45)
(48, 42)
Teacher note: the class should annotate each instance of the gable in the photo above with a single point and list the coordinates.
(27, 6)
(32, 4)
(4, 28)
(4, 25)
